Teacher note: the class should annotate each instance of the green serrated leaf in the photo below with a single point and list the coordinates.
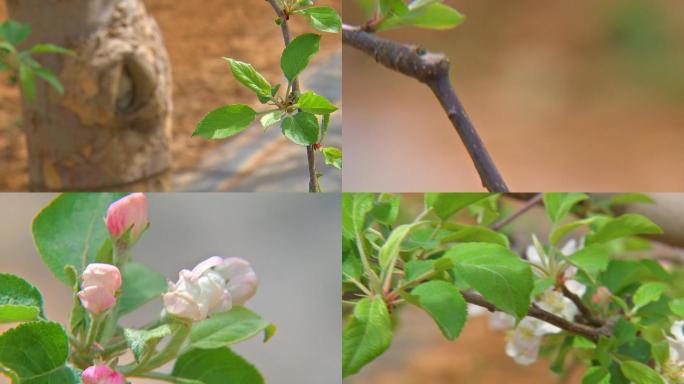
(316, 104)
(445, 304)
(143, 342)
(389, 251)
(14, 32)
(71, 230)
(496, 273)
(333, 156)
(140, 284)
(630, 224)
(559, 204)
(37, 353)
(432, 16)
(301, 129)
(591, 259)
(250, 78)
(227, 328)
(596, 375)
(367, 336)
(640, 373)
(473, 234)
(324, 19)
(648, 293)
(296, 56)
(271, 118)
(216, 366)
(447, 204)
(225, 121)
(19, 300)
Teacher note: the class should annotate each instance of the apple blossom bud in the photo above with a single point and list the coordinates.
(213, 286)
(601, 296)
(102, 374)
(96, 299)
(241, 280)
(127, 212)
(102, 275)
(98, 290)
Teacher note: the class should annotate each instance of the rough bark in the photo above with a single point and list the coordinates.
(111, 128)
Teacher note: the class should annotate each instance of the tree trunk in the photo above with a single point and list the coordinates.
(111, 128)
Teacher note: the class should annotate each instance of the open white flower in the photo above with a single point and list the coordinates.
(673, 369)
(213, 286)
(523, 342)
(569, 248)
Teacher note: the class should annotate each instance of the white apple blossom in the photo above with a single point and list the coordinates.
(213, 286)
(673, 369)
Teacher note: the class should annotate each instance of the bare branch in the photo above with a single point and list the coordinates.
(310, 150)
(528, 205)
(433, 70)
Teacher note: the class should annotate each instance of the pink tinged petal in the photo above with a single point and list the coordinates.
(182, 304)
(102, 374)
(96, 299)
(127, 212)
(102, 275)
(233, 267)
(242, 288)
(576, 287)
(205, 266)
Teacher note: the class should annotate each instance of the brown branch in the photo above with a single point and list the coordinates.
(310, 150)
(528, 205)
(585, 311)
(433, 70)
(591, 333)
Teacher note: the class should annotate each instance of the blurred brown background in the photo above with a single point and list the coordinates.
(567, 95)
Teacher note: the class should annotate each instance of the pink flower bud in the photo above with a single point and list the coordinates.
(127, 212)
(100, 283)
(96, 299)
(102, 275)
(601, 296)
(102, 374)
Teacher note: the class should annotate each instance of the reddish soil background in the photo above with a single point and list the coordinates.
(197, 35)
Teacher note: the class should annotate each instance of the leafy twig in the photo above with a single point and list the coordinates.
(310, 150)
(528, 205)
(431, 69)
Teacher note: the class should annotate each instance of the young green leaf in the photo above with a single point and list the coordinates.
(591, 259)
(446, 204)
(37, 353)
(393, 7)
(70, 230)
(224, 329)
(316, 104)
(324, 19)
(648, 293)
(333, 156)
(50, 78)
(431, 16)
(444, 303)
(473, 234)
(596, 375)
(640, 373)
(250, 78)
(27, 78)
(142, 341)
(389, 251)
(559, 204)
(561, 231)
(677, 307)
(14, 32)
(386, 208)
(271, 118)
(497, 273)
(301, 129)
(216, 366)
(367, 336)
(225, 121)
(19, 300)
(297, 54)
(51, 48)
(626, 225)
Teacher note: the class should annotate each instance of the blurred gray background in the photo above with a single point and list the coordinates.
(292, 241)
